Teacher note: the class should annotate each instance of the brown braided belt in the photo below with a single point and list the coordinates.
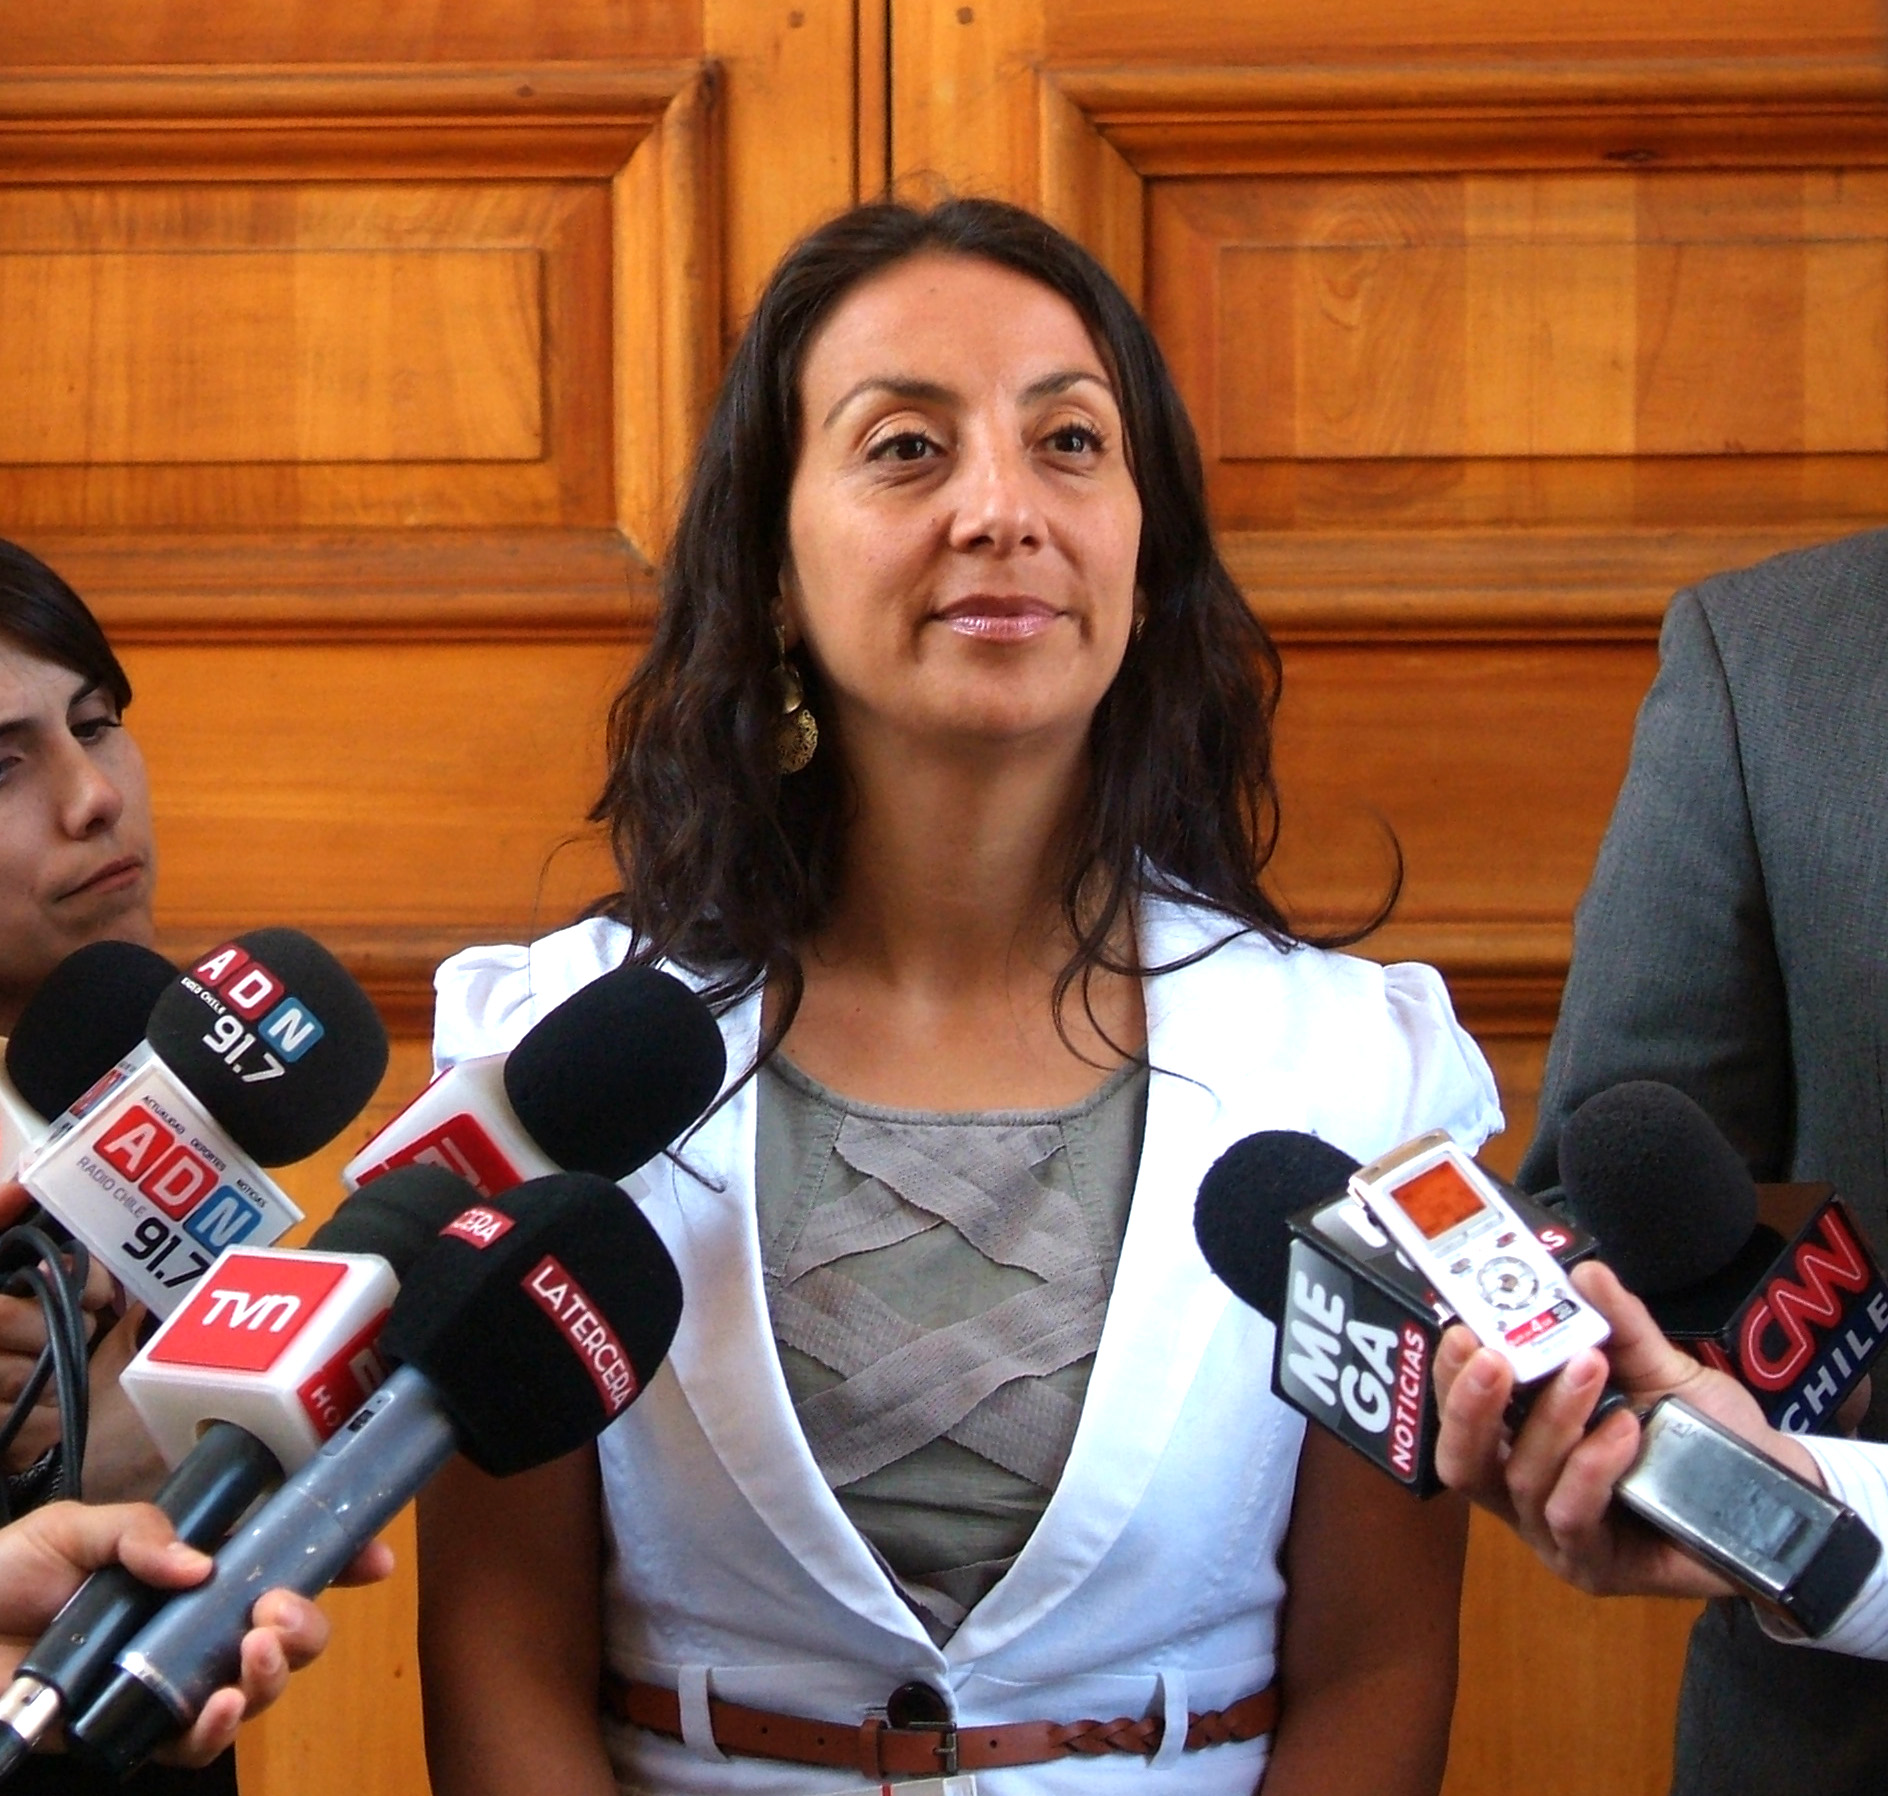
(878, 1748)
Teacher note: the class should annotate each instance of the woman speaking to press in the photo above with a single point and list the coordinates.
(947, 778)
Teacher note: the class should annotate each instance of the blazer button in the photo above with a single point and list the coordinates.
(917, 1704)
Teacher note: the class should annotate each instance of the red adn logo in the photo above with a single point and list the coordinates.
(245, 985)
(561, 1298)
(245, 1317)
(140, 1145)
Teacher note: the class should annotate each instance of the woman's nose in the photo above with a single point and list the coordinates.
(89, 798)
(998, 505)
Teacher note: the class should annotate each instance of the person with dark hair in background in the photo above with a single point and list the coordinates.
(1732, 944)
(76, 859)
(947, 779)
(77, 865)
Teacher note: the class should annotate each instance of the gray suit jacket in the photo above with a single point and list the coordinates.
(1734, 942)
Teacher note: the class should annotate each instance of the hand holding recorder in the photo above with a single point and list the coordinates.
(1553, 1483)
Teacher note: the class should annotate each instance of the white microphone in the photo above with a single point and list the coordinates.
(258, 1056)
(590, 1088)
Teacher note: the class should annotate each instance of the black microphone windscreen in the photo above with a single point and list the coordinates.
(537, 1317)
(1239, 1218)
(1650, 1174)
(398, 1215)
(275, 1039)
(616, 1072)
(87, 1015)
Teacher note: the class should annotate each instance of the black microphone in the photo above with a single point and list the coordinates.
(88, 1014)
(259, 1055)
(523, 1334)
(1356, 1354)
(591, 1088)
(1357, 1324)
(398, 1219)
(1773, 1284)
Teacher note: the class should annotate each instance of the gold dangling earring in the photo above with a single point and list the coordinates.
(797, 733)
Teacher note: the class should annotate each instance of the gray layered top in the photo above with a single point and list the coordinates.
(937, 1283)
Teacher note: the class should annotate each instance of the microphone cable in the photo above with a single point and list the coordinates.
(33, 1264)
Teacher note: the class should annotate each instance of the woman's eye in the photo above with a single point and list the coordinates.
(94, 729)
(906, 446)
(1075, 439)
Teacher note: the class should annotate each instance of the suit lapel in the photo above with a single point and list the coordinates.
(1162, 1314)
(725, 1361)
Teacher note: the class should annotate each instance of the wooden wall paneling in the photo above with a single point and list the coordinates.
(965, 115)
(668, 344)
(1497, 327)
(394, 33)
(1285, 34)
(803, 125)
(1090, 189)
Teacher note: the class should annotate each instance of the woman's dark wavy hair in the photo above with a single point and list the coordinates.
(44, 616)
(727, 864)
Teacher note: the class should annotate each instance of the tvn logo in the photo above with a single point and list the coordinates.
(261, 1028)
(273, 1310)
(248, 1313)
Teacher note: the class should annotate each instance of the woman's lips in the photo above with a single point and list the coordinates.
(999, 619)
(114, 876)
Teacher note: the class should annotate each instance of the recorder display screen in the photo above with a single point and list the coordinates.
(1439, 1199)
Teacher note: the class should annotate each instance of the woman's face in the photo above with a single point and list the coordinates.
(76, 863)
(963, 526)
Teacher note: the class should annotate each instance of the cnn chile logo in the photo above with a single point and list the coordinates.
(260, 1029)
(1778, 1335)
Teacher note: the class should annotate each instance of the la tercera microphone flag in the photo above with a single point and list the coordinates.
(257, 1056)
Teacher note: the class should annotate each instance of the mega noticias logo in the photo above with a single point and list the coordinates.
(260, 1028)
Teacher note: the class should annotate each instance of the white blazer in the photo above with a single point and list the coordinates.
(1151, 1584)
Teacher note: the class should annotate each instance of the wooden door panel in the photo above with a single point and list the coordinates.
(1498, 324)
(355, 354)
(1493, 766)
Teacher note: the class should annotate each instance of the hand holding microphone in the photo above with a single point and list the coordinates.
(1554, 1483)
(44, 1556)
(533, 1322)
(1289, 1249)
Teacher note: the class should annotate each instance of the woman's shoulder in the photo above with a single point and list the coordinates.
(1375, 1037)
(488, 997)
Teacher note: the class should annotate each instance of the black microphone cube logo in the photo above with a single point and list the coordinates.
(1352, 1358)
(1798, 1317)
(259, 1027)
(1359, 1327)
